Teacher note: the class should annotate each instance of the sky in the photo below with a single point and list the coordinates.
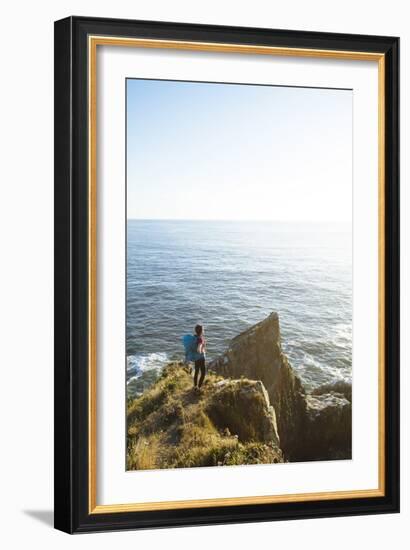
(210, 151)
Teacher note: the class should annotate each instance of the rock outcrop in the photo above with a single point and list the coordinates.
(329, 426)
(310, 427)
(257, 354)
(243, 407)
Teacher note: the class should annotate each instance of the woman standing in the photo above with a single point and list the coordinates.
(200, 362)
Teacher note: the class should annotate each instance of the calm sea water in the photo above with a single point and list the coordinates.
(230, 275)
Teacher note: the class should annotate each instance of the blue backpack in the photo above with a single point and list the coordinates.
(191, 345)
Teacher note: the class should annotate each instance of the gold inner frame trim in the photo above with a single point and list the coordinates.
(93, 42)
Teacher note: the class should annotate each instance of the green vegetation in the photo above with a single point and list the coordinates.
(174, 426)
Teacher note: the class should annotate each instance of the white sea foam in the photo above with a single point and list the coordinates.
(138, 364)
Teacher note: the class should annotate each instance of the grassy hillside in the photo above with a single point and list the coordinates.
(229, 422)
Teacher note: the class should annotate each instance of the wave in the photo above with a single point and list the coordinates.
(321, 366)
(138, 364)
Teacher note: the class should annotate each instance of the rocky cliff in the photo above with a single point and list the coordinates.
(252, 409)
(173, 426)
(329, 425)
(310, 427)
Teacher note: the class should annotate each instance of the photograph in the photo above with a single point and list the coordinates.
(227, 290)
(239, 227)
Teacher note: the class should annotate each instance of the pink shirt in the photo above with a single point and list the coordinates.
(201, 342)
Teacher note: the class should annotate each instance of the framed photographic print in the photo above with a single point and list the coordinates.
(226, 274)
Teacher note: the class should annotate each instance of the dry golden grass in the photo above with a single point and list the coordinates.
(169, 427)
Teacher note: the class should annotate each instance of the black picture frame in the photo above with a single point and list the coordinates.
(71, 493)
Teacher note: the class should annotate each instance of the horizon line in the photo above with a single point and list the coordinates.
(234, 220)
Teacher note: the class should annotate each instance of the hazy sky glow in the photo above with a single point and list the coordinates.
(238, 152)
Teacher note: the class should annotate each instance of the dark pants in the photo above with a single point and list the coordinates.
(199, 366)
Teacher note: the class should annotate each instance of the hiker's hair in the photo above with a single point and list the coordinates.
(198, 330)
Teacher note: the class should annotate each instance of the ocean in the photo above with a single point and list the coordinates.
(229, 275)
